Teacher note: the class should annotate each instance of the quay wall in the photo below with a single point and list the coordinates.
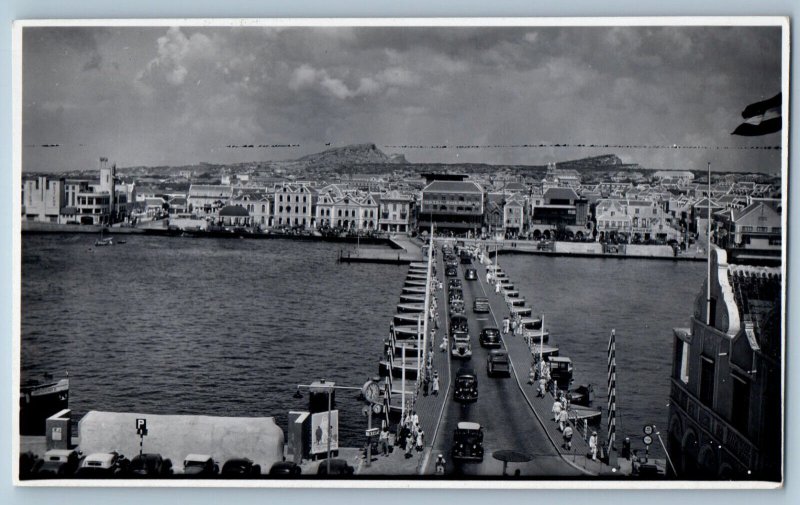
(578, 247)
(175, 436)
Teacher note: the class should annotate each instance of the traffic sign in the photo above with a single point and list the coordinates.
(647, 440)
(141, 426)
(648, 429)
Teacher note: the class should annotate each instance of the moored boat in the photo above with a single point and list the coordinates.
(414, 289)
(405, 318)
(412, 298)
(415, 282)
(410, 365)
(410, 307)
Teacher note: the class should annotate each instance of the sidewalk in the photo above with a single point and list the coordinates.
(521, 359)
(428, 408)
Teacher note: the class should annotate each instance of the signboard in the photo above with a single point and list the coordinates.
(648, 429)
(56, 433)
(141, 427)
(647, 440)
(319, 432)
(373, 432)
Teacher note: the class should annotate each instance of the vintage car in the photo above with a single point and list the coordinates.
(490, 337)
(455, 294)
(467, 442)
(102, 465)
(149, 465)
(466, 386)
(57, 463)
(458, 323)
(200, 466)
(240, 468)
(285, 469)
(454, 283)
(339, 468)
(451, 271)
(457, 307)
(461, 347)
(497, 363)
(470, 274)
(481, 305)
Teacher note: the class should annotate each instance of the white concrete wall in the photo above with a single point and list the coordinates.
(579, 247)
(649, 250)
(175, 436)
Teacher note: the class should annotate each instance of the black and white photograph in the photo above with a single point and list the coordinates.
(477, 252)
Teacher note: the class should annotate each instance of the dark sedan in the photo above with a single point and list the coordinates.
(339, 468)
(490, 337)
(240, 468)
(151, 466)
(470, 274)
(285, 469)
(451, 271)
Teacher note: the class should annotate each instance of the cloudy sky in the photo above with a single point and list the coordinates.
(154, 96)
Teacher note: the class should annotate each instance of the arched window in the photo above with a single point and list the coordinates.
(263, 208)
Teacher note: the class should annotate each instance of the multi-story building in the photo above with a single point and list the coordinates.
(514, 215)
(347, 210)
(42, 199)
(294, 206)
(396, 212)
(726, 397)
(257, 204)
(452, 205)
(207, 199)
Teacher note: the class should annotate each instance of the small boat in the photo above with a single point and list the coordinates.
(397, 366)
(40, 400)
(517, 302)
(582, 395)
(532, 329)
(410, 307)
(520, 312)
(410, 348)
(415, 282)
(419, 264)
(414, 290)
(406, 332)
(122, 241)
(511, 293)
(591, 416)
(405, 318)
(101, 242)
(416, 277)
(412, 298)
(546, 351)
(507, 287)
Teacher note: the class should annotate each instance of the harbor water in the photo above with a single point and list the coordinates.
(230, 327)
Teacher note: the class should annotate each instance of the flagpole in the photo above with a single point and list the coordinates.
(708, 253)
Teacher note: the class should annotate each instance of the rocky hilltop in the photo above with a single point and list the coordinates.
(359, 154)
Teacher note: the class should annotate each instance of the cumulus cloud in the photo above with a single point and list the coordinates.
(307, 77)
(175, 53)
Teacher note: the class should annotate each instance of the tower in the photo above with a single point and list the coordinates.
(107, 175)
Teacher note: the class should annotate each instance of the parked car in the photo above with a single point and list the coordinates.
(240, 468)
(470, 274)
(285, 469)
(467, 442)
(28, 462)
(101, 465)
(339, 468)
(150, 465)
(57, 463)
(481, 305)
(497, 363)
(200, 466)
(490, 337)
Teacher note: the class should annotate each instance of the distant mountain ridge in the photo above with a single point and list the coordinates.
(358, 154)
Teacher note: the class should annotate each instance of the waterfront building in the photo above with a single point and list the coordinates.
(613, 222)
(699, 217)
(257, 203)
(178, 205)
(514, 215)
(346, 209)
(754, 229)
(562, 209)
(42, 199)
(493, 215)
(207, 199)
(294, 206)
(453, 206)
(234, 216)
(396, 212)
(726, 397)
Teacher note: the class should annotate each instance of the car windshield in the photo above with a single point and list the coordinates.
(188, 464)
(469, 436)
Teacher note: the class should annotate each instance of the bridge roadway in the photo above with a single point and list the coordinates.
(501, 409)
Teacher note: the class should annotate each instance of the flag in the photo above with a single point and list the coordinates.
(761, 118)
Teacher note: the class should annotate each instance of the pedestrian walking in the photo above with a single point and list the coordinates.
(409, 445)
(567, 438)
(562, 419)
(506, 323)
(440, 465)
(414, 418)
(593, 445)
(542, 387)
(425, 386)
(532, 375)
(420, 440)
(383, 439)
(556, 410)
(443, 346)
(514, 326)
(497, 288)
(435, 390)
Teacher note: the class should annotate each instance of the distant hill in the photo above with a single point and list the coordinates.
(359, 154)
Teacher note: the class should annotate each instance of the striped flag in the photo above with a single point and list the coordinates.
(761, 118)
(612, 390)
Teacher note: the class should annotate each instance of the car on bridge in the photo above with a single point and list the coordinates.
(461, 347)
(470, 274)
(467, 442)
(466, 386)
(497, 363)
(451, 271)
(490, 337)
(481, 305)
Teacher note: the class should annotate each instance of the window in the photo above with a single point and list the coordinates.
(263, 208)
(280, 198)
(762, 229)
(681, 361)
(707, 381)
(740, 404)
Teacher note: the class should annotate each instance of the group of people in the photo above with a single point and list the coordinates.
(411, 435)
(539, 375)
